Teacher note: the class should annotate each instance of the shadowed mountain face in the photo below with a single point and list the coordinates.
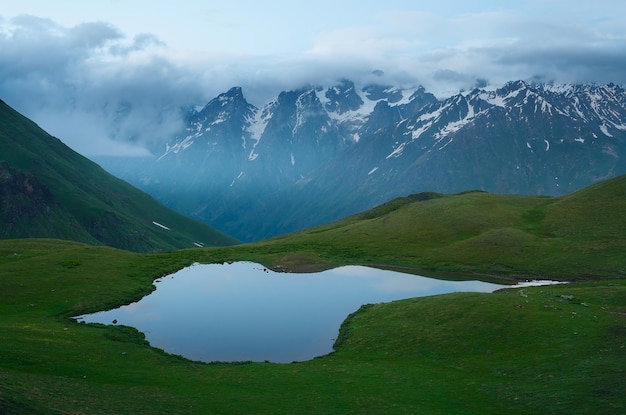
(317, 154)
(49, 191)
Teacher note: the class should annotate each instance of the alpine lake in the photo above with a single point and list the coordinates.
(243, 311)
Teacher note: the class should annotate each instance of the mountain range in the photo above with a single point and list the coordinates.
(316, 154)
(48, 190)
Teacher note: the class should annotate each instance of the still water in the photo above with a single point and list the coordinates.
(242, 311)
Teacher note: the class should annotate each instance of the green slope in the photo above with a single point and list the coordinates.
(48, 190)
(580, 235)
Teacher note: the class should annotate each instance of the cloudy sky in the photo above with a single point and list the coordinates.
(109, 76)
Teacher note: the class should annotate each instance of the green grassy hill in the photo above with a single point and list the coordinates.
(48, 190)
(580, 235)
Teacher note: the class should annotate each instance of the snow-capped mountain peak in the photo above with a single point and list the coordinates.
(353, 146)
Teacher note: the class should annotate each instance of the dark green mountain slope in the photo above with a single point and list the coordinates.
(48, 190)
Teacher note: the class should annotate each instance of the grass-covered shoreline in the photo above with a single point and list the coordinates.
(555, 349)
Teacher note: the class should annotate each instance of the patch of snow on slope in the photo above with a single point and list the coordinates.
(397, 152)
(492, 98)
(605, 130)
(580, 113)
(359, 115)
(161, 226)
(406, 95)
(258, 122)
(596, 100)
(621, 127)
(546, 107)
(221, 117)
(252, 156)
(426, 121)
(498, 100)
(236, 178)
(416, 133)
(224, 100)
(300, 118)
(321, 95)
(180, 146)
(455, 126)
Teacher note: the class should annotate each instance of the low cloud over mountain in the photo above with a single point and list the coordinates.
(129, 89)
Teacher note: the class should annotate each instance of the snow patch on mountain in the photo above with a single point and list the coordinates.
(494, 98)
(252, 156)
(300, 116)
(397, 152)
(455, 126)
(161, 226)
(258, 121)
(180, 146)
(239, 176)
(359, 115)
(221, 117)
(605, 130)
(415, 134)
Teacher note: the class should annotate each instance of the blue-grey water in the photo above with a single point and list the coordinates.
(242, 311)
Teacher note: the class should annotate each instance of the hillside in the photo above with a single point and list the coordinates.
(579, 235)
(48, 190)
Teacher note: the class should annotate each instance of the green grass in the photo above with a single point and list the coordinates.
(544, 350)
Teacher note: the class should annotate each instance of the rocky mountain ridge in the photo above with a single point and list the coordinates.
(319, 153)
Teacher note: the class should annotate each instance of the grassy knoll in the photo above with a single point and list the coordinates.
(543, 350)
(578, 236)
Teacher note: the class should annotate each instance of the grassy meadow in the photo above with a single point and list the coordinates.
(558, 349)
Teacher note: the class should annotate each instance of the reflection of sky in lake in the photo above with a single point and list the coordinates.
(240, 311)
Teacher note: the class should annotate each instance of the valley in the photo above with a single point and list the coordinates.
(330, 208)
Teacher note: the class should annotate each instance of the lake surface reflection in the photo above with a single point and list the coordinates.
(242, 311)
